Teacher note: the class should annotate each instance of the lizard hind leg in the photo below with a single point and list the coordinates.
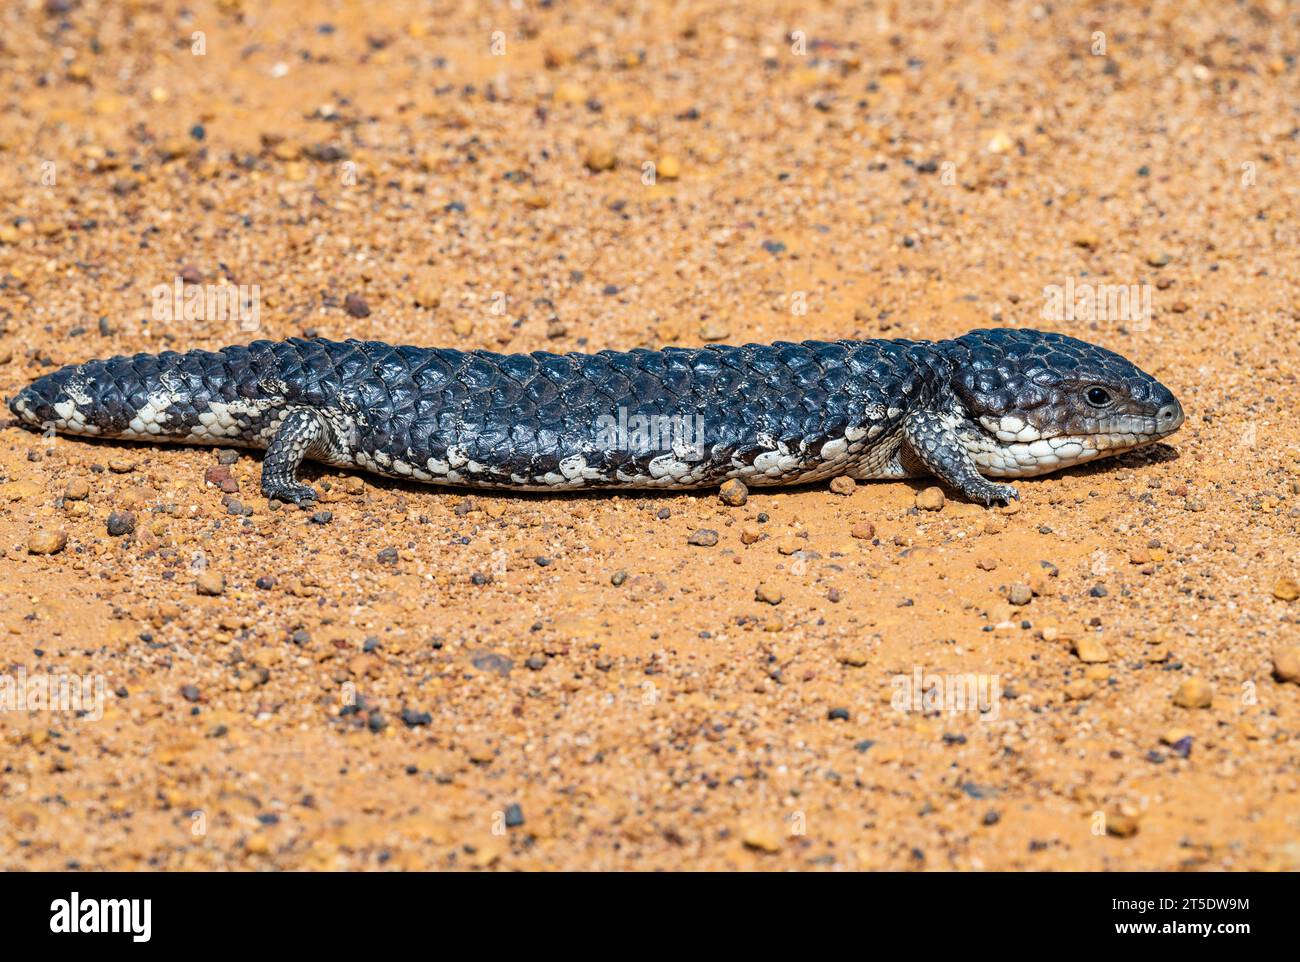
(934, 445)
(302, 434)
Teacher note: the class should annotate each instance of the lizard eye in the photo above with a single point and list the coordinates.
(1098, 397)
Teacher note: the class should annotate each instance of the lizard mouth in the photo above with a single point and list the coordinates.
(1008, 448)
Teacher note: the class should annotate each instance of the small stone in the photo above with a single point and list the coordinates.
(1286, 589)
(1078, 690)
(356, 306)
(120, 523)
(704, 538)
(843, 485)
(768, 594)
(257, 845)
(1286, 664)
(734, 493)
(750, 533)
(1020, 594)
(1121, 825)
(46, 542)
(388, 556)
(210, 582)
(535, 663)
(514, 815)
(669, 167)
(838, 714)
(999, 143)
(599, 157)
(427, 296)
(761, 838)
(120, 466)
(78, 489)
(864, 531)
(570, 93)
(987, 564)
(191, 274)
(1158, 259)
(617, 578)
(931, 499)
(190, 692)
(1194, 693)
(416, 719)
(1090, 650)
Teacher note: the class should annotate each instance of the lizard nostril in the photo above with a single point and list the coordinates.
(1170, 416)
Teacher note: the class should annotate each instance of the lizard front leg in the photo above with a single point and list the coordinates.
(938, 449)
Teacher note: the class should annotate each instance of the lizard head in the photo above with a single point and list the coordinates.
(1032, 402)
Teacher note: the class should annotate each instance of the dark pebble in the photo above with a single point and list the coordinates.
(388, 556)
(356, 306)
(838, 714)
(414, 719)
(120, 523)
(1098, 591)
(514, 816)
(704, 538)
(322, 517)
(190, 692)
(535, 663)
(266, 582)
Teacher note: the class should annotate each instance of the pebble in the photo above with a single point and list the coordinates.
(931, 499)
(535, 663)
(388, 556)
(1078, 690)
(599, 157)
(120, 523)
(514, 815)
(427, 296)
(704, 538)
(1090, 650)
(760, 838)
(999, 143)
(1286, 589)
(415, 719)
(257, 845)
(669, 167)
(1121, 825)
(733, 493)
(210, 582)
(1020, 594)
(78, 489)
(1286, 664)
(749, 534)
(617, 578)
(769, 594)
(843, 485)
(46, 542)
(219, 476)
(1194, 693)
(987, 564)
(322, 517)
(190, 692)
(864, 531)
(838, 714)
(356, 306)
(120, 466)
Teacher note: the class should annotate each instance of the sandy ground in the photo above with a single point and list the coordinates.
(431, 680)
